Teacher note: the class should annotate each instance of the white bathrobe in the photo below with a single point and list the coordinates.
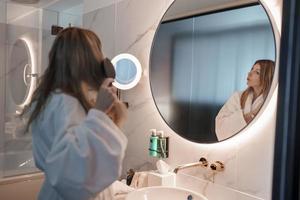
(230, 119)
(81, 154)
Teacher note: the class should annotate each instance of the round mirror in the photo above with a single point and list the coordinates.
(128, 71)
(22, 76)
(212, 67)
(20, 65)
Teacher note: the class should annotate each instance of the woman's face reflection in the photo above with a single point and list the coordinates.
(253, 79)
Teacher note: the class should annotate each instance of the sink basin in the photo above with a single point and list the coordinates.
(159, 192)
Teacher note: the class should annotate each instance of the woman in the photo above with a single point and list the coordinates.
(78, 147)
(241, 108)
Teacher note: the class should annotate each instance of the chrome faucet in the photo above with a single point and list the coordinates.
(202, 163)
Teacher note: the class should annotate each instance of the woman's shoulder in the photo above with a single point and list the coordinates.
(63, 102)
(236, 95)
(60, 97)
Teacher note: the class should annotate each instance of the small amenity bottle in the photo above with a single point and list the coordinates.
(153, 143)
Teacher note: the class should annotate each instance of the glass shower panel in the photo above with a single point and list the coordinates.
(2, 81)
(21, 63)
(25, 41)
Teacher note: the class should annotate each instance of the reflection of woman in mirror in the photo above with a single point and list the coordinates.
(242, 107)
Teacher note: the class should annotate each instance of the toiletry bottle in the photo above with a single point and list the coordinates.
(162, 145)
(153, 143)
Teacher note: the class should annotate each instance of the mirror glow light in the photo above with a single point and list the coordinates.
(128, 71)
(33, 81)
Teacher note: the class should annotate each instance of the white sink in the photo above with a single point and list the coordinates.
(159, 192)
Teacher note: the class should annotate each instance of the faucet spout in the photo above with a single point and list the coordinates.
(202, 163)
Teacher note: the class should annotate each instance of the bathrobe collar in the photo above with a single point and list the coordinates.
(249, 106)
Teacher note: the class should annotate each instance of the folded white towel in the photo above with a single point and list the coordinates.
(116, 191)
(120, 188)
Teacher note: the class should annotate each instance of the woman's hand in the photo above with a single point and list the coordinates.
(255, 111)
(106, 96)
(250, 116)
(108, 102)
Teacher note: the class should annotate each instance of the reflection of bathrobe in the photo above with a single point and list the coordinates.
(80, 153)
(230, 119)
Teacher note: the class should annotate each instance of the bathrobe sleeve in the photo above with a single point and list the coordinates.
(87, 151)
(230, 118)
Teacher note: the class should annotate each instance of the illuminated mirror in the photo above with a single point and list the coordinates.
(200, 63)
(128, 71)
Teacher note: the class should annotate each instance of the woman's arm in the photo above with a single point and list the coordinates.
(230, 118)
(250, 116)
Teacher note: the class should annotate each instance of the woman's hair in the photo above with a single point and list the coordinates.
(267, 68)
(75, 57)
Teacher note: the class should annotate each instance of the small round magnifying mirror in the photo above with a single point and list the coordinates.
(128, 71)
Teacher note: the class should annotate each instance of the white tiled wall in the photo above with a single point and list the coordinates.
(66, 19)
(91, 5)
(49, 18)
(102, 21)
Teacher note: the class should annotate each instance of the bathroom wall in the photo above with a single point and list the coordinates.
(102, 21)
(129, 26)
(71, 16)
(49, 18)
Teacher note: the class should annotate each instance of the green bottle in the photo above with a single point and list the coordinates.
(153, 143)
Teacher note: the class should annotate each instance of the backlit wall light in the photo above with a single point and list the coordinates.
(128, 71)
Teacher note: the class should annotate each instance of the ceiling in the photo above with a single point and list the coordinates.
(179, 8)
(182, 8)
(55, 5)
